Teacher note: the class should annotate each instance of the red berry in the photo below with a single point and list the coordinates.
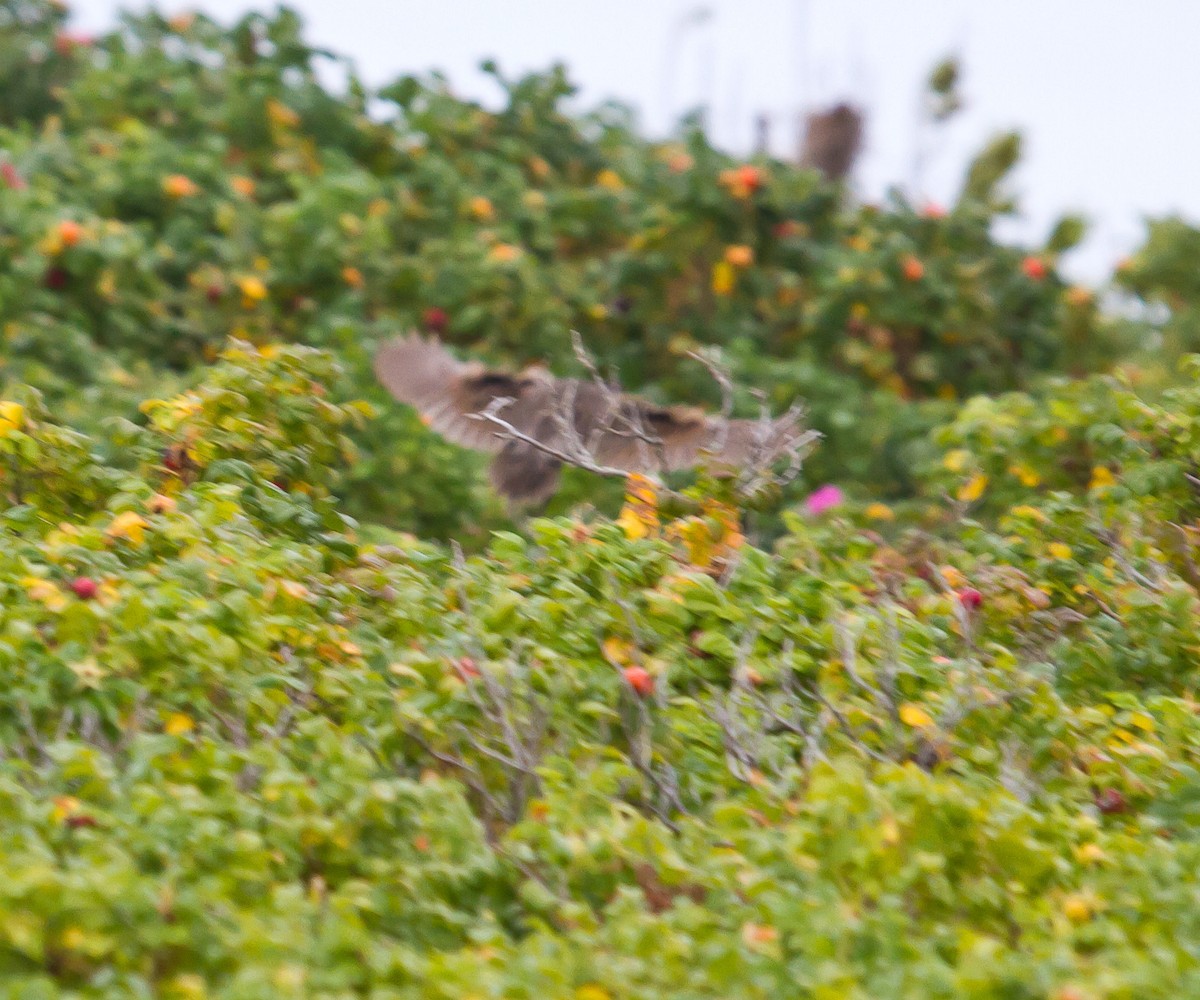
(1109, 801)
(80, 820)
(436, 320)
(56, 278)
(1034, 268)
(639, 679)
(214, 292)
(970, 598)
(749, 176)
(84, 587)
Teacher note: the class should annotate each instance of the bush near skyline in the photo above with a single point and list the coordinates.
(930, 732)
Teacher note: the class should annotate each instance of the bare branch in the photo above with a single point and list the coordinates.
(774, 439)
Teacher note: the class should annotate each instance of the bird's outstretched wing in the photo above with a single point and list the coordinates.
(642, 437)
(445, 391)
(615, 430)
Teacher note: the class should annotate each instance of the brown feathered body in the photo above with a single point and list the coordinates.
(617, 430)
(832, 141)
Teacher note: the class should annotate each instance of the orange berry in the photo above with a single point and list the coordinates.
(739, 255)
(179, 186)
(481, 208)
(742, 181)
(913, 269)
(70, 232)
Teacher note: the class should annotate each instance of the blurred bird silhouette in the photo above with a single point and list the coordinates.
(833, 140)
(571, 417)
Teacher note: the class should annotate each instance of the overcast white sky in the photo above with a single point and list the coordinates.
(1103, 89)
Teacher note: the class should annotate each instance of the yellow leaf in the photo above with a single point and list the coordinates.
(1077, 908)
(723, 277)
(1101, 477)
(12, 416)
(634, 526)
(1027, 476)
(890, 831)
(912, 714)
(177, 724)
(289, 977)
(973, 488)
(253, 290)
(1142, 721)
(1058, 550)
(129, 525)
(89, 672)
(64, 806)
(610, 180)
(618, 650)
(1024, 510)
(956, 461)
(953, 576)
(879, 512)
(188, 986)
(44, 592)
(592, 992)
(280, 114)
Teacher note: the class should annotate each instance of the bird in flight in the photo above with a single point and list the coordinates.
(558, 420)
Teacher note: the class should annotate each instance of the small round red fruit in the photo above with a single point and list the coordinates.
(84, 587)
(436, 320)
(1110, 801)
(970, 598)
(639, 679)
(1034, 268)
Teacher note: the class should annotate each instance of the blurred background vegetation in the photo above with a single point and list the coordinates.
(176, 181)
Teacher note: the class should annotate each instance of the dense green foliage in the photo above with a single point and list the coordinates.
(939, 740)
(181, 182)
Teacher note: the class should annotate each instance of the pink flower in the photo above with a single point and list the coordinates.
(66, 42)
(823, 499)
(12, 179)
